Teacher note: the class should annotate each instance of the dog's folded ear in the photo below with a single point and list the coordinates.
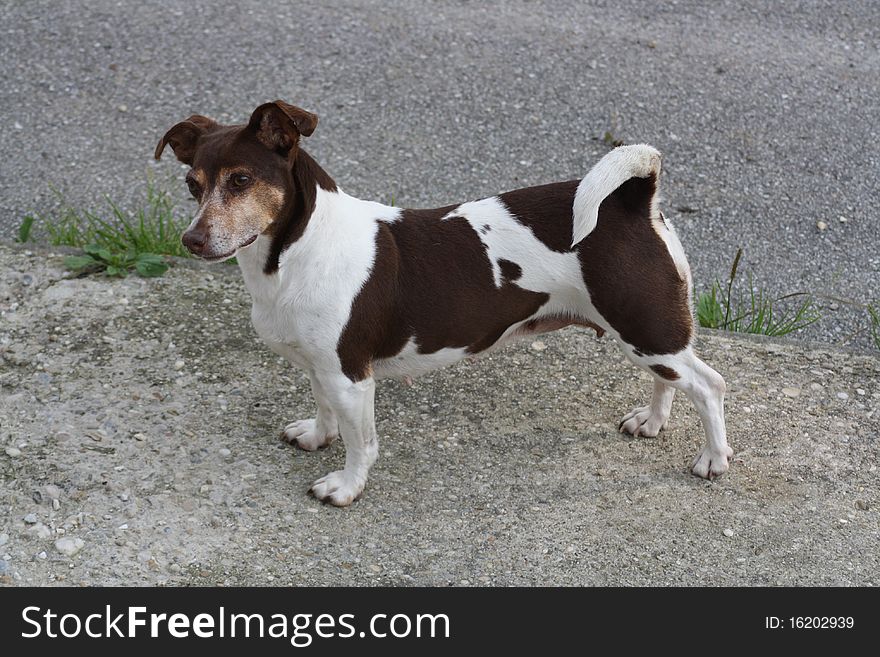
(183, 137)
(279, 125)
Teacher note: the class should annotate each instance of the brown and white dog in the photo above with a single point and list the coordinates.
(354, 290)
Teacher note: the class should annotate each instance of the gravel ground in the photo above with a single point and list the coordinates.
(765, 111)
(138, 445)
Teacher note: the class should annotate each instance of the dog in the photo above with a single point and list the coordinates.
(353, 291)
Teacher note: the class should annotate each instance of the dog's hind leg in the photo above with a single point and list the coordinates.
(650, 420)
(316, 432)
(352, 403)
(705, 388)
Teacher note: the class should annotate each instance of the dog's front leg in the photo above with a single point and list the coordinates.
(315, 432)
(352, 403)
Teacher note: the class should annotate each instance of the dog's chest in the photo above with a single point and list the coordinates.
(301, 310)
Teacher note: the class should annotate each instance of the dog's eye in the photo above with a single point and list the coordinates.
(240, 180)
(193, 187)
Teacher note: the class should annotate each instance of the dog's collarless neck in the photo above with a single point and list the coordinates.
(308, 176)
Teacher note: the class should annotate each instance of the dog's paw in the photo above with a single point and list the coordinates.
(305, 435)
(642, 422)
(709, 463)
(337, 488)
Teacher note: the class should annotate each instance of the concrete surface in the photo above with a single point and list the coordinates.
(139, 422)
(765, 111)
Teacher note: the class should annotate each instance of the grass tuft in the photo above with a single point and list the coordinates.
(152, 228)
(757, 312)
(117, 241)
(874, 314)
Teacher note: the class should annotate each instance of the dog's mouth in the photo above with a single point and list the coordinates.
(229, 254)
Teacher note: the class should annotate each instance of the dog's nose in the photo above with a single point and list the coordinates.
(195, 240)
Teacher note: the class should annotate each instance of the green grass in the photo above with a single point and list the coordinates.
(115, 241)
(874, 315)
(722, 307)
(154, 227)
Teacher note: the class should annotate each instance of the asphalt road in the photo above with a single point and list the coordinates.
(766, 112)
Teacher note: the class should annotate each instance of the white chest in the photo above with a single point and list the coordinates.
(301, 310)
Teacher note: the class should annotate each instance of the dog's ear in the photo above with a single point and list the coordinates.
(183, 137)
(279, 125)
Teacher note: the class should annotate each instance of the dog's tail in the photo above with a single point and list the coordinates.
(618, 166)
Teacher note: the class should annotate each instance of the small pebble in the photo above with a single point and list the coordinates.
(791, 392)
(42, 555)
(224, 452)
(860, 391)
(52, 491)
(31, 519)
(843, 396)
(69, 546)
(538, 345)
(178, 364)
(4, 539)
(13, 452)
(861, 505)
(728, 532)
(821, 225)
(40, 531)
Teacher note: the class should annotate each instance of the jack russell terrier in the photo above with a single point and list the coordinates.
(353, 290)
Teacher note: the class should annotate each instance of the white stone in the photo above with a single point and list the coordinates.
(69, 546)
(40, 531)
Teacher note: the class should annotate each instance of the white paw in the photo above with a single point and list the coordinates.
(338, 488)
(709, 463)
(306, 435)
(642, 422)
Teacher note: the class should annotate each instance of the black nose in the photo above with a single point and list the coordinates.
(195, 240)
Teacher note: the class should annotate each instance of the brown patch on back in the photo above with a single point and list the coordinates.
(546, 210)
(666, 372)
(432, 281)
(631, 277)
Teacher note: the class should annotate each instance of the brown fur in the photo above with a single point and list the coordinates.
(632, 279)
(666, 372)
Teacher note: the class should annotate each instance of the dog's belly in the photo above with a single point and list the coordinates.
(411, 363)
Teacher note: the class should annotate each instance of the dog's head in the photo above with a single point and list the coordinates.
(240, 175)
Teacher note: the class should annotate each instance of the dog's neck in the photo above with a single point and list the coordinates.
(308, 177)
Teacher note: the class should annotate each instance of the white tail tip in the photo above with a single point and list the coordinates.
(609, 173)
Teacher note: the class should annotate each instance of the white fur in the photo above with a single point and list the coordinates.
(618, 166)
(409, 363)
